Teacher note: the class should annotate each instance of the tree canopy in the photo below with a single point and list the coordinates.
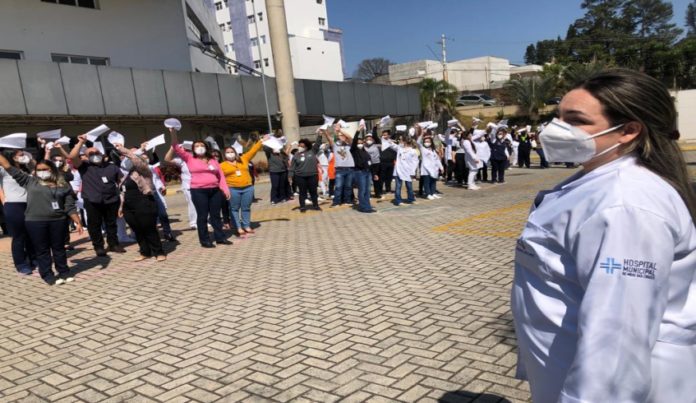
(369, 69)
(637, 34)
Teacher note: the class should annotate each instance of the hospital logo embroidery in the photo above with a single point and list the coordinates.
(610, 265)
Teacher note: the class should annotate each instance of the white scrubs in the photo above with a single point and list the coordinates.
(604, 295)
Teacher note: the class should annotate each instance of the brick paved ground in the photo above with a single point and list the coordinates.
(410, 304)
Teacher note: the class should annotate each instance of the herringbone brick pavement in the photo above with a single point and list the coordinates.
(409, 304)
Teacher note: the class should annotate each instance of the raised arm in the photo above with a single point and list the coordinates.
(169, 156)
(75, 152)
(328, 138)
(249, 155)
(317, 143)
(140, 166)
(4, 162)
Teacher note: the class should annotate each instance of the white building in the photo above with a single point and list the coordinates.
(162, 34)
(315, 48)
(478, 74)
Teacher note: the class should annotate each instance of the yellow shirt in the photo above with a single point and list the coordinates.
(237, 173)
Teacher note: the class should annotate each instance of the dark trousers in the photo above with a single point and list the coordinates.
(279, 187)
(162, 216)
(141, 215)
(375, 170)
(48, 239)
(482, 174)
(208, 203)
(98, 214)
(542, 156)
(460, 169)
(523, 158)
(332, 186)
(450, 170)
(428, 184)
(308, 184)
(21, 247)
(386, 175)
(498, 170)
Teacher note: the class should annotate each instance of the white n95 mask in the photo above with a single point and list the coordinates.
(565, 143)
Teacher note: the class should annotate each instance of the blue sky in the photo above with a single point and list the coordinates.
(402, 30)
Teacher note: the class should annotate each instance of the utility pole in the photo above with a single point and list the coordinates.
(443, 44)
(285, 80)
(263, 70)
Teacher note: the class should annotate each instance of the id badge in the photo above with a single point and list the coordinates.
(238, 173)
(302, 159)
(105, 179)
(211, 168)
(55, 205)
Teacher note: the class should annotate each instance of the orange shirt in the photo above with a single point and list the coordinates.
(332, 167)
(237, 173)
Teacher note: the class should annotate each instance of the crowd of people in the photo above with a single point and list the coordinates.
(111, 189)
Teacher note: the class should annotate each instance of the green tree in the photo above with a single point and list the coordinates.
(531, 93)
(691, 19)
(437, 97)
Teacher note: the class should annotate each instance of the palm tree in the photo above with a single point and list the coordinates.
(437, 97)
(531, 93)
(579, 72)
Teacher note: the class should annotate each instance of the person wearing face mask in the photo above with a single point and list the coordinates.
(387, 158)
(473, 162)
(14, 205)
(405, 168)
(238, 178)
(362, 171)
(323, 157)
(50, 201)
(100, 194)
(344, 165)
(525, 148)
(372, 146)
(185, 182)
(59, 156)
(138, 203)
(278, 162)
(483, 152)
(208, 189)
(499, 157)
(304, 168)
(605, 269)
(431, 166)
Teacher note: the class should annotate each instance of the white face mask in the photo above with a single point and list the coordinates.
(369, 143)
(23, 159)
(199, 151)
(43, 175)
(360, 146)
(58, 164)
(301, 150)
(231, 156)
(95, 159)
(565, 143)
(427, 144)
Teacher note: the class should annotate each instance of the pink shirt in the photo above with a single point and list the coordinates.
(203, 175)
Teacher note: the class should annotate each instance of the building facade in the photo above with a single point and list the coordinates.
(477, 74)
(162, 34)
(316, 49)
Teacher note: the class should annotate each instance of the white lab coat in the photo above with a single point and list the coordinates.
(471, 156)
(604, 295)
(483, 151)
(430, 164)
(406, 162)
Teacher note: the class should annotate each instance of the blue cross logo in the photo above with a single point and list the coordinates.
(610, 265)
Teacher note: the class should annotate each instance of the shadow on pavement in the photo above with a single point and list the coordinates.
(84, 264)
(462, 396)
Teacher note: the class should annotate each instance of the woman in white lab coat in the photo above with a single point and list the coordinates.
(405, 168)
(604, 295)
(472, 160)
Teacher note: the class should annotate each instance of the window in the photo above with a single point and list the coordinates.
(265, 61)
(254, 42)
(251, 19)
(257, 64)
(263, 39)
(78, 3)
(95, 61)
(229, 26)
(222, 27)
(260, 16)
(11, 54)
(320, 1)
(322, 21)
(218, 5)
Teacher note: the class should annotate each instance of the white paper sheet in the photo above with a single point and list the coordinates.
(50, 134)
(116, 138)
(15, 141)
(172, 123)
(385, 121)
(63, 141)
(187, 145)
(273, 143)
(157, 141)
(424, 125)
(210, 140)
(328, 120)
(401, 128)
(238, 147)
(93, 134)
(99, 146)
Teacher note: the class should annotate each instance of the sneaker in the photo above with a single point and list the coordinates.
(68, 278)
(431, 197)
(474, 187)
(437, 196)
(101, 252)
(321, 199)
(308, 201)
(59, 281)
(295, 194)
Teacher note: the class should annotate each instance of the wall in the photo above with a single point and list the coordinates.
(316, 59)
(132, 33)
(686, 107)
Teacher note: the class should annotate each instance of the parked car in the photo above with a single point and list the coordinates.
(553, 101)
(476, 99)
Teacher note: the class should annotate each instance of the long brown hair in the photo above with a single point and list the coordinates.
(630, 96)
